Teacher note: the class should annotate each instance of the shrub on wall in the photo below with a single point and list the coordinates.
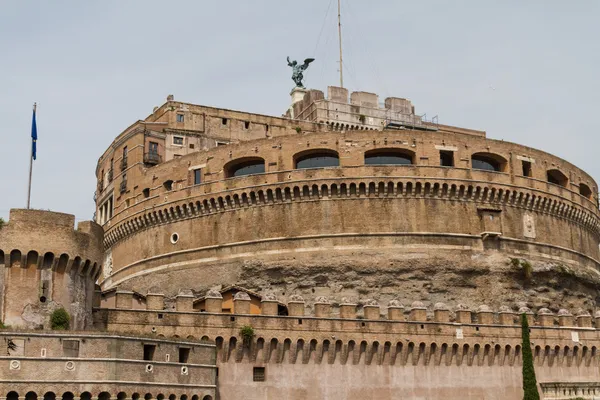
(530, 391)
(247, 333)
(59, 320)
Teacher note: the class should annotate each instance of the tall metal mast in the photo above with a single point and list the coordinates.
(340, 39)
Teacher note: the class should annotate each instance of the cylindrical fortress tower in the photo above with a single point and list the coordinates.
(421, 211)
(45, 264)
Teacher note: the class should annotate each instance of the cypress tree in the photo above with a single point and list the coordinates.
(530, 391)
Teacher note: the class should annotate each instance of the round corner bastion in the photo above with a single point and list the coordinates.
(441, 216)
(45, 264)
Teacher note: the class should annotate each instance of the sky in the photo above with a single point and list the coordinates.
(524, 71)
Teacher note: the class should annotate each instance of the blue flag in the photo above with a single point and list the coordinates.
(33, 136)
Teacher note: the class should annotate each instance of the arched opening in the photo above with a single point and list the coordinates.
(488, 162)
(12, 396)
(135, 396)
(31, 396)
(147, 396)
(2, 259)
(15, 258)
(68, 396)
(195, 397)
(122, 396)
(86, 396)
(32, 259)
(585, 191)
(160, 396)
(244, 166)
(317, 158)
(389, 157)
(172, 397)
(104, 396)
(556, 177)
(50, 396)
(48, 260)
(207, 397)
(63, 260)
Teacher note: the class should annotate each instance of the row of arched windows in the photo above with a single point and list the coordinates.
(102, 396)
(323, 158)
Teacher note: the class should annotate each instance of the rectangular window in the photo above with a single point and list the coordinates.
(246, 125)
(176, 155)
(526, 168)
(446, 158)
(258, 374)
(223, 121)
(180, 118)
(149, 352)
(197, 176)
(184, 354)
(178, 140)
(70, 348)
(221, 144)
(153, 147)
(125, 151)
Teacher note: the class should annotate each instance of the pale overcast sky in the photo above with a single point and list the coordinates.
(524, 71)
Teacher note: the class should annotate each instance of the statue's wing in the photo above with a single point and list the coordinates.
(308, 61)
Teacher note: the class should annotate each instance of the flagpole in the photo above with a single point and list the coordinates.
(30, 166)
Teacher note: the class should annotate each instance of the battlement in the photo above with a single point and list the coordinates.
(46, 263)
(87, 365)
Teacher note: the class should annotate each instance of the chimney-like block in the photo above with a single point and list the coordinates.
(124, 299)
(372, 312)
(348, 311)
(296, 308)
(463, 316)
(155, 301)
(268, 307)
(322, 310)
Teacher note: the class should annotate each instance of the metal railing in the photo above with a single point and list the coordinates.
(124, 163)
(152, 158)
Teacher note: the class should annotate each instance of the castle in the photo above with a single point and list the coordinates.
(349, 249)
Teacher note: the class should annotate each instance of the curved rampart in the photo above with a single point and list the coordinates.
(166, 223)
(47, 264)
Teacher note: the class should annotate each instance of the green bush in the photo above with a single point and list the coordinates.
(247, 333)
(2, 222)
(298, 129)
(530, 391)
(59, 320)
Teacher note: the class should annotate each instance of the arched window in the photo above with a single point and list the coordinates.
(317, 158)
(68, 396)
(244, 166)
(585, 190)
(389, 157)
(556, 177)
(12, 396)
(488, 162)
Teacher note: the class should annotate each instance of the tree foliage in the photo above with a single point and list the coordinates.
(530, 391)
(59, 320)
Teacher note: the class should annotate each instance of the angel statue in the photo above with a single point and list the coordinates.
(298, 69)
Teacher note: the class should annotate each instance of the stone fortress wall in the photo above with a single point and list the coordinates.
(45, 264)
(339, 352)
(296, 221)
(87, 365)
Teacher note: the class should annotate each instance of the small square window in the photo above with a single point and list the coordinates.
(223, 121)
(149, 352)
(258, 374)
(184, 354)
(178, 140)
(71, 348)
(180, 118)
(446, 158)
(246, 125)
(197, 176)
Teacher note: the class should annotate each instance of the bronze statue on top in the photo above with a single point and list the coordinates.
(297, 69)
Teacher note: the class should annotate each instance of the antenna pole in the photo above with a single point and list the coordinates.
(30, 166)
(340, 40)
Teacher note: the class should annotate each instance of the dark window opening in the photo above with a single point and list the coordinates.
(258, 374)
(197, 176)
(184, 355)
(556, 177)
(168, 185)
(223, 121)
(160, 316)
(146, 192)
(178, 140)
(246, 125)
(191, 145)
(487, 162)
(247, 167)
(70, 348)
(446, 158)
(317, 159)
(232, 319)
(585, 190)
(388, 157)
(153, 148)
(526, 168)
(299, 321)
(180, 118)
(149, 352)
